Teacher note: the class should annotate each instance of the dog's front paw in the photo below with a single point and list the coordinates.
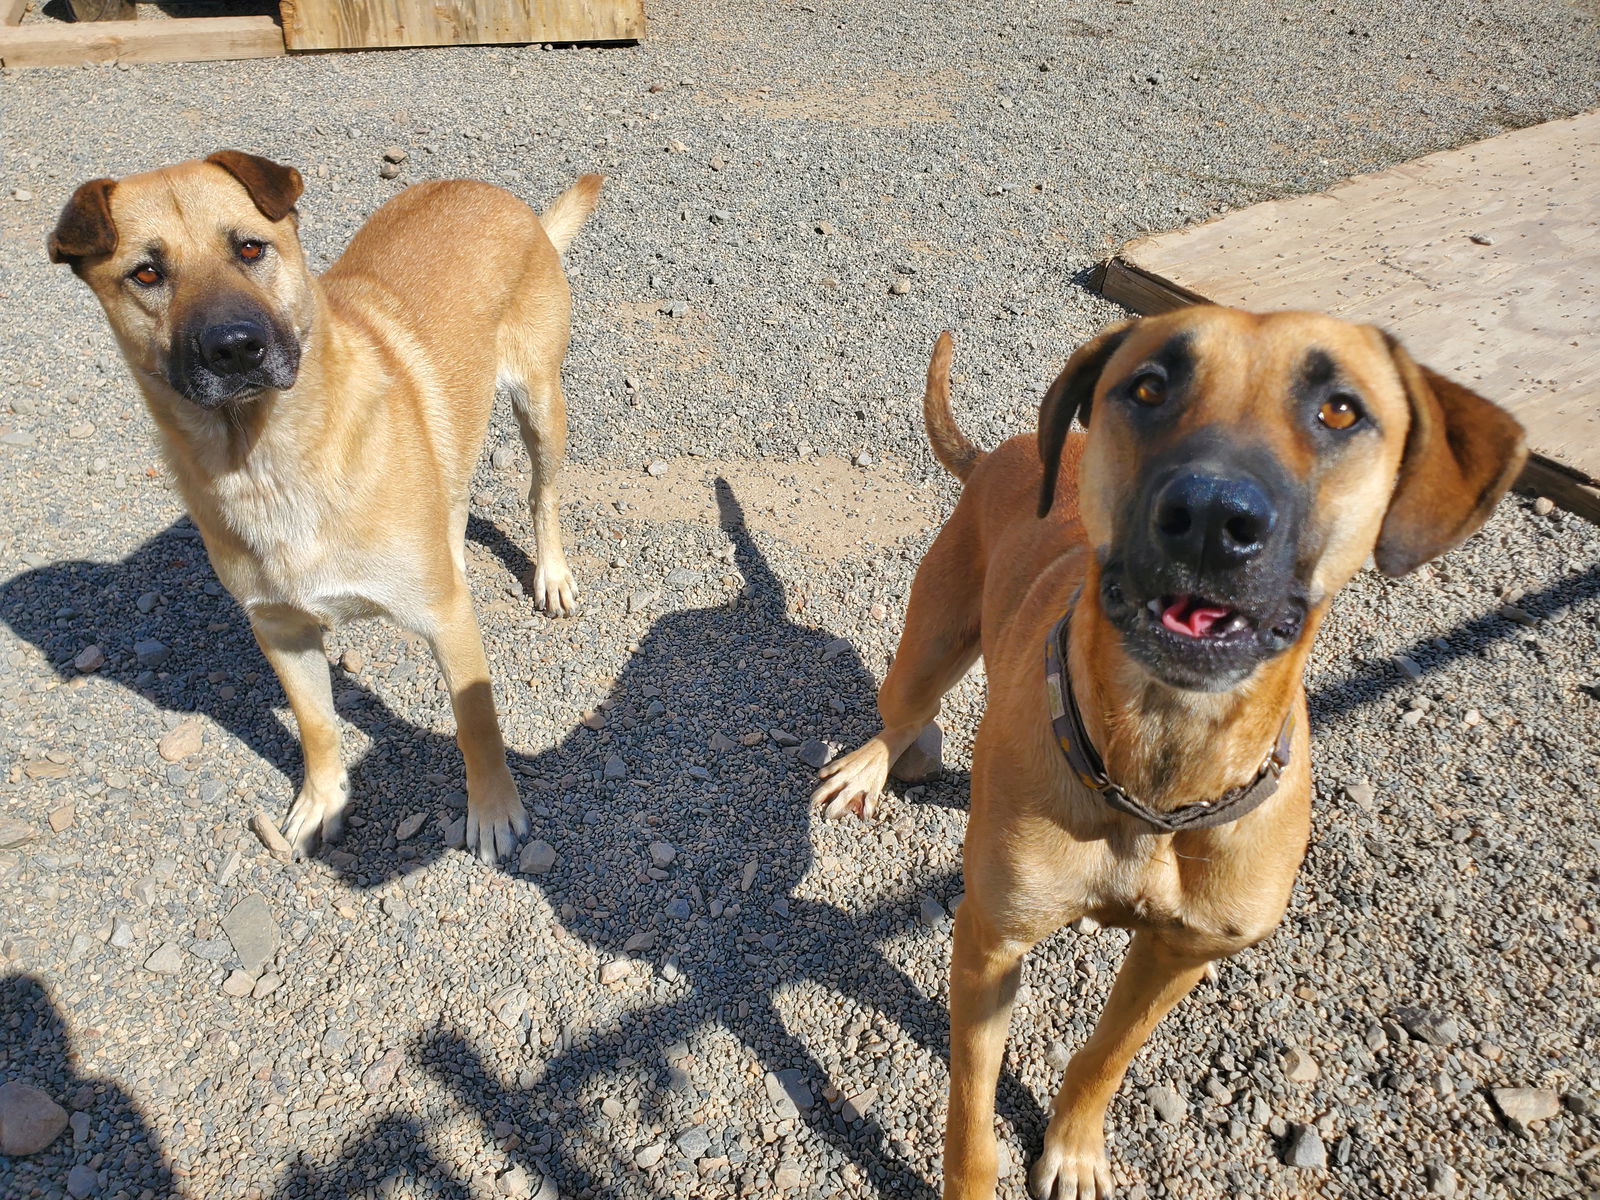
(555, 590)
(854, 782)
(317, 815)
(495, 820)
(1071, 1167)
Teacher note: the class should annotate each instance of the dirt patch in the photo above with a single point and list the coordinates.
(824, 506)
(666, 345)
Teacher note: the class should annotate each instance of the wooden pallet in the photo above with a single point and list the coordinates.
(314, 25)
(1484, 260)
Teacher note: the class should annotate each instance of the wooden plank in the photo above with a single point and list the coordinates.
(1485, 260)
(350, 24)
(1546, 478)
(186, 39)
(11, 11)
(1144, 293)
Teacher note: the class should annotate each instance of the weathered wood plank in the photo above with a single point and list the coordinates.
(1545, 478)
(187, 39)
(348, 24)
(1485, 260)
(11, 11)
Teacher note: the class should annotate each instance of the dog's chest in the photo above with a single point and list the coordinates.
(299, 543)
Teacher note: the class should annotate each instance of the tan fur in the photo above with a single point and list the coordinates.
(1041, 849)
(344, 496)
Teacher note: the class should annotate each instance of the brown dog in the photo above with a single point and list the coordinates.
(1237, 471)
(323, 432)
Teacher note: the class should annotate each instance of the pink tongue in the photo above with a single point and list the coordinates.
(1192, 622)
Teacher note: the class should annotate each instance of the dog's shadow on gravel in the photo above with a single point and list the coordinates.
(111, 1138)
(723, 930)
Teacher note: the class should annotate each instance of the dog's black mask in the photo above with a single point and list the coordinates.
(232, 353)
(1201, 579)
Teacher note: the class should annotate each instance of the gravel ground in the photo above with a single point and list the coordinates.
(688, 985)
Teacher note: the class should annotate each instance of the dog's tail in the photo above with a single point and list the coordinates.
(950, 446)
(565, 217)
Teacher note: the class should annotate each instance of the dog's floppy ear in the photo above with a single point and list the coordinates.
(85, 228)
(273, 188)
(1462, 453)
(1071, 396)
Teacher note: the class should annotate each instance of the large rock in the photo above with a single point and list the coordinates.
(1523, 1105)
(537, 858)
(779, 1098)
(1169, 1106)
(14, 833)
(923, 759)
(253, 932)
(1305, 1148)
(29, 1119)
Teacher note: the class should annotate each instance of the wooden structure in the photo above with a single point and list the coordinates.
(335, 25)
(1484, 260)
(184, 39)
(307, 25)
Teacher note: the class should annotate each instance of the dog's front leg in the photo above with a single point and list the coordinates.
(1156, 974)
(292, 642)
(495, 817)
(984, 971)
(938, 647)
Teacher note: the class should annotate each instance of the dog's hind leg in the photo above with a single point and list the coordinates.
(542, 416)
(292, 642)
(532, 346)
(939, 645)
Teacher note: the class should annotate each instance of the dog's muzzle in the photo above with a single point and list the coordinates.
(233, 358)
(1201, 584)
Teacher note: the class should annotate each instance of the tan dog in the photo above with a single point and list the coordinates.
(323, 432)
(1237, 471)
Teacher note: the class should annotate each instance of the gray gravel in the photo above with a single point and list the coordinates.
(686, 985)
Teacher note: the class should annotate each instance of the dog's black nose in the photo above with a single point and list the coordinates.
(1211, 522)
(234, 348)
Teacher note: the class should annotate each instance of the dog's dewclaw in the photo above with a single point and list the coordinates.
(923, 759)
(267, 830)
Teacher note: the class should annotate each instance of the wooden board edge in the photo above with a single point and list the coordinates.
(1147, 294)
(11, 11)
(183, 39)
(1546, 477)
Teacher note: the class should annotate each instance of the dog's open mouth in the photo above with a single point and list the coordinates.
(1196, 617)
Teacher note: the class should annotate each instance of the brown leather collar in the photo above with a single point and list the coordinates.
(1090, 768)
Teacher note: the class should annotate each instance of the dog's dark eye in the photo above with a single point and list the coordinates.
(250, 251)
(1149, 389)
(1339, 412)
(146, 276)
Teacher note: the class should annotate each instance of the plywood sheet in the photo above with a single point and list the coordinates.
(1485, 261)
(347, 24)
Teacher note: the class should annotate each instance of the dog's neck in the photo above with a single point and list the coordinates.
(1164, 745)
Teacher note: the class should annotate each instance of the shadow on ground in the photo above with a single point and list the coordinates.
(729, 667)
(725, 668)
(113, 1139)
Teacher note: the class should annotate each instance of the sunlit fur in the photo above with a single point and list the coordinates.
(1041, 849)
(344, 496)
